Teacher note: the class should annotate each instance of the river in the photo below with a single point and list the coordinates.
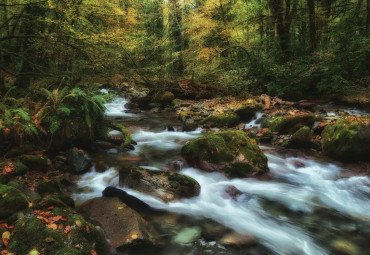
(308, 206)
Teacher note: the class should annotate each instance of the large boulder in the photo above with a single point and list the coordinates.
(348, 139)
(56, 232)
(248, 110)
(124, 228)
(11, 201)
(230, 152)
(222, 120)
(165, 185)
(79, 161)
(164, 98)
(291, 123)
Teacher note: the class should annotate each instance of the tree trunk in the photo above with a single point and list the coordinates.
(175, 20)
(312, 24)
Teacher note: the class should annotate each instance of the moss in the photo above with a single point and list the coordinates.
(30, 233)
(128, 141)
(290, 124)
(49, 186)
(222, 120)
(248, 110)
(11, 201)
(164, 98)
(58, 200)
(348, 139)
(227, 147)
(302, 138)
(36, 162)
(182, 179)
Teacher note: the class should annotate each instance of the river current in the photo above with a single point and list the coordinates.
(308, 206)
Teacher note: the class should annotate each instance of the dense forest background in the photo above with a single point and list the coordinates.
(51, 51)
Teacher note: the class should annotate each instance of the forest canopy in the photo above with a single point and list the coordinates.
(283, 47)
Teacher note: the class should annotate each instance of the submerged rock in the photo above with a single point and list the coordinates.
(222, 120)
(79, 160)
(12, 200)
(237, 239)
(348, 139)
(124, 227)
(187, 235)
(230, 152)
(167, 186)
(342, 246)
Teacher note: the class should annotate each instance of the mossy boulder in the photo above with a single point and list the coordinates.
(290, 124)
(18, 169)
(37, 162)
(79, 161)
(248, 110)
(164, 98)
(348, 139)
(302, 138)
(76, 236)
(222, 120)
(123, 226)
(49, 186)
(165, 185)
(230, 152)
(12, 200)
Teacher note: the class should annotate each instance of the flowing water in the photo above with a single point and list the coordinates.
(307, 207)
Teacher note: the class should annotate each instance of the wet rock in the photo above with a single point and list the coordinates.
(176, 165)
(290, 124)
(238, 240)
(348, 139)
(155, 110)
(80, 237)
(49, 186)
(187, 235)
(12, 200)
(124, 228)
(131, 106)
(232, 192)
(302, 138)
(37, 162)
(165, 185)
(212, 230)
(345, 247)
(222, 120)
(170, 129)
(31, 195)
(79, 161)
(248, 110)
(230, 152)
(164, 98)
(189, 125)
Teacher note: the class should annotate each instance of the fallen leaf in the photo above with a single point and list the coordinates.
(93, 252)
(67, 229)
(52, 226)
(120, 207)
(49, 239)
(78, 223)
(6, 234)
(78, 246)
(34, 252)
(6, 242)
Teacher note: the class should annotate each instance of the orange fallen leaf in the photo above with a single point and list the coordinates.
(52, 226)
(93, 252)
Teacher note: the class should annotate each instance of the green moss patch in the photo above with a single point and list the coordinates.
(11, 201)
(222, 120)
(290, 124)
(232, 152)
(348, 139)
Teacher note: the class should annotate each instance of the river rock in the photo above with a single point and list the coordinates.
(237, 239)
(302, 138)
(76, 236)
(124, 227)
(230, 152)
(348, 139)
(187, 235)
(189, 125)
(342, 246)
(167, 186)
(248, 110)
(229, 119)
(11, 201)
(79, 161)
(291, 123)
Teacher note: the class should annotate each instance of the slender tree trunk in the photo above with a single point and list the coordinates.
(367, 17)
(312, 24)
(175, 33)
